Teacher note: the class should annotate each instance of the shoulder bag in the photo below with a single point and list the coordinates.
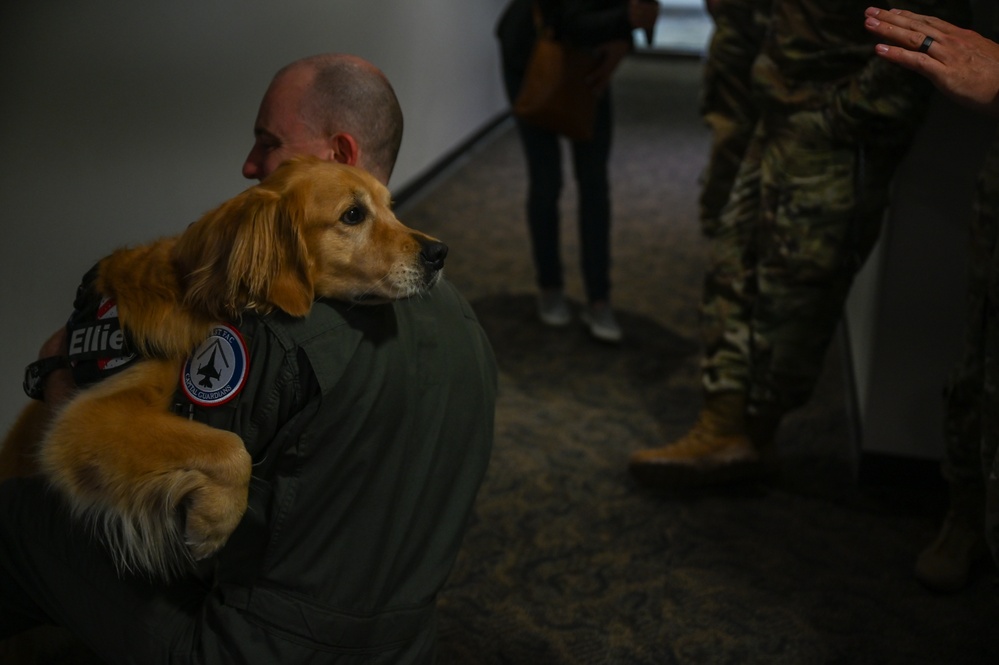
(555, 94)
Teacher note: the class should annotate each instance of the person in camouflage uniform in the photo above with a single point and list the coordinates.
(945, 564)
(804, 213)
(988, 447)
(727, 104)
(962, 64)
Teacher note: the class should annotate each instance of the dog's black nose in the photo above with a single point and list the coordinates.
(433, 254)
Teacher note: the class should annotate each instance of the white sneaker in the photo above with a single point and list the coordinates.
(603, 326)
(553, 310)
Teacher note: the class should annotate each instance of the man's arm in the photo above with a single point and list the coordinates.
(59, 385)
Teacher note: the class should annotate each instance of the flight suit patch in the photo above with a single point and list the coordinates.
(216, 372)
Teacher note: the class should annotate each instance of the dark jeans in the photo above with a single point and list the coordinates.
(544, 170)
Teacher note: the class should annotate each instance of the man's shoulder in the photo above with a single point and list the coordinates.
(443, 303)
(325, 316)
(444, 297)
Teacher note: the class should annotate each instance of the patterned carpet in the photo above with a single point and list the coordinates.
(567, 560)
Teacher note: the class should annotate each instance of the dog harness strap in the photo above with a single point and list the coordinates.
(36, 373)
(98, 347)
(96, 340)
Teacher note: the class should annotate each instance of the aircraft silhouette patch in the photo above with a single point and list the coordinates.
(216, 371)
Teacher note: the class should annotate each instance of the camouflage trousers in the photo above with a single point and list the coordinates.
(971, 424)
(973, 385)
(727, 104)
(803, 216)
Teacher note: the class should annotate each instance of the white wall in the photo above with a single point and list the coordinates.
(121, 121)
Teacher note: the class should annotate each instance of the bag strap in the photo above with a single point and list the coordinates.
(541, 27)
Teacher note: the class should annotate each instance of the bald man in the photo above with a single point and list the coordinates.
(337, 107)
(370, 430)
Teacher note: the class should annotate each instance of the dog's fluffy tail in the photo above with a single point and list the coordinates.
(147, 537)
(159, 527)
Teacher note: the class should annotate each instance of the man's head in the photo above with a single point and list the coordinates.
(337, 107)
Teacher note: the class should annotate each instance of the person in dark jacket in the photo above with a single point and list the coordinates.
(604, 26)
(370, 430)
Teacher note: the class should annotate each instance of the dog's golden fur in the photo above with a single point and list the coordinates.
(163, 489)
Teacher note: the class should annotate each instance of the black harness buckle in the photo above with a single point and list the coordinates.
(36, 373)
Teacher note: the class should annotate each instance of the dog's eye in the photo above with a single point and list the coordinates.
(354, 215)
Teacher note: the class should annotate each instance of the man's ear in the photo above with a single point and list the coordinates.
(343, 149)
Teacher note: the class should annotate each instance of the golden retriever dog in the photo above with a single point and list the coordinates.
(161, 489)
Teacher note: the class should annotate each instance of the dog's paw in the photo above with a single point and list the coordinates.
(214, 509)
(213, 512)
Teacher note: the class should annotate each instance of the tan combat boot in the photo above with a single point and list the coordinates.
(944, 566)
(717, 449)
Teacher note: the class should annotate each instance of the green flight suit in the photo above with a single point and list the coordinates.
(370, 429)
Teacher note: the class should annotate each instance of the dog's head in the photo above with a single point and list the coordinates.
(310, 229)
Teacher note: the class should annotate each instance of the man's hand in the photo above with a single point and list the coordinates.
(59, 384)
(961, 63)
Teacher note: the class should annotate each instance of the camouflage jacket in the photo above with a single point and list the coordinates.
(818, 56)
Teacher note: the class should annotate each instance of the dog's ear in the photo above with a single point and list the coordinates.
(247, 254)
(270, 253)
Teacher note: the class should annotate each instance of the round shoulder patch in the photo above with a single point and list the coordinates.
(216, 371)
